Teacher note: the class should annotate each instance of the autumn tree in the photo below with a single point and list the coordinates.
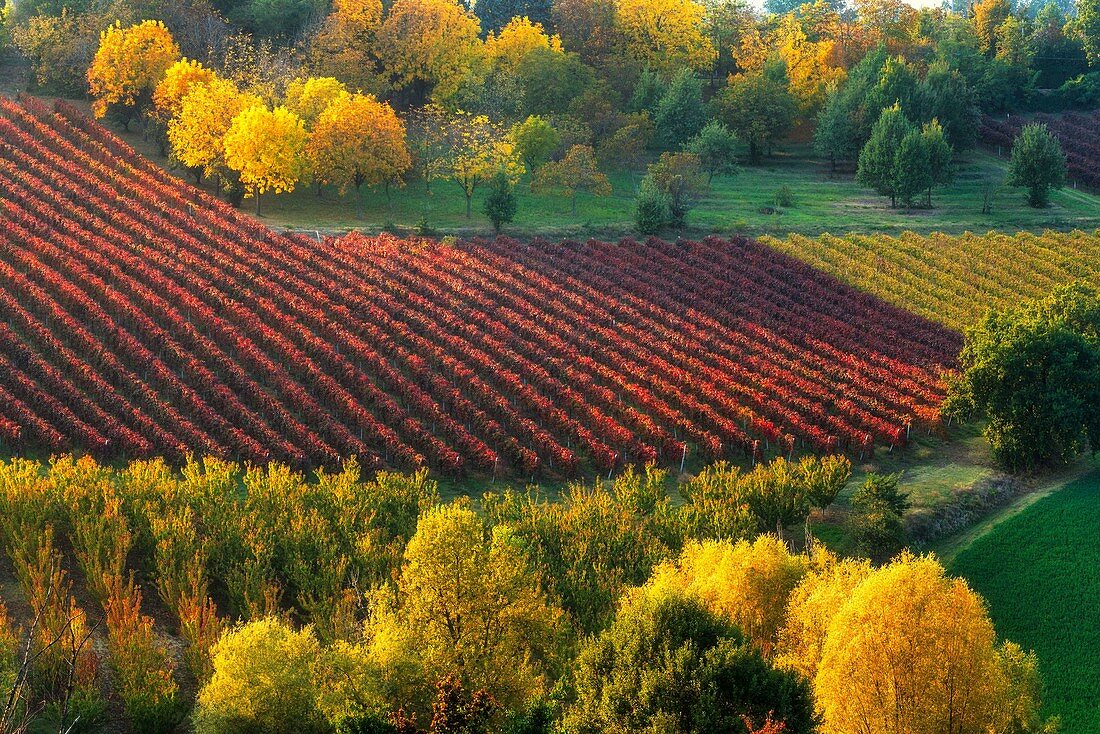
(428, 46)
(510, 46)
(536, 140)
(913, 650)
(263, 681)
(197, 132)
(667, 663)
(308, 98)
(823, 477)
(716, 148)
(758, 108)
(345, 47)
(746, 583)
(267, 148)
(128, 66)
(177, 81)
(478, 149)
(1088, 18)
(496, 14)
(472, 607)
(358, 140)
(987, 16)
(665, 34)
(588, 27)
(574, 173)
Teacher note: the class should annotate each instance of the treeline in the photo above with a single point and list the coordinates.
(350, 605)
(592, 86)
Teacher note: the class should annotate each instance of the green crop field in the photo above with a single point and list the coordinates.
(1039, 570)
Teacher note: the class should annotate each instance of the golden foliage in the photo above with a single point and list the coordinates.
(429, 42)
(472, 605)
(517, 39)
(129, 64)
(911, 651)
(178, 80)
(266, 147)
(345, 45)
(358, 140)
(206, 113)
(666, 34)
(748, 583)
(309, 97)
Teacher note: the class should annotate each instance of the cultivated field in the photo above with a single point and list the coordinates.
(953, 279)
(144, 318)
(1038, 571)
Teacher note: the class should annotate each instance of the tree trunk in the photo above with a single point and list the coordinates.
(469, 204)
(359, 201)
(257, 202)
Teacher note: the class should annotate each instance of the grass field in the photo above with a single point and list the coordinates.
(743, 203)
(1039, 570)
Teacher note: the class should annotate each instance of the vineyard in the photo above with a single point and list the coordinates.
(141, 317)
(953, 279)
(1079, 133)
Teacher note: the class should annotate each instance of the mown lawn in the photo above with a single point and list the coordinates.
(1039, 570)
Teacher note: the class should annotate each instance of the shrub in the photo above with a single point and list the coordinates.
(263, 682)
(500, 203)
(651, 211)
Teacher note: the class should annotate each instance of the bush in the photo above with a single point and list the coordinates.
(651, 211)
(876, 520)
(783, 197)
(263, 682)
(500, 204)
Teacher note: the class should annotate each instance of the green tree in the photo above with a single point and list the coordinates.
(912, 173)
(1088, 19)
(1034, 372)
(668, 664)
(680, 114)
(574, 173)
(940, 154)
(651, 210)
(823, 477)
(500, 203)
(876, 519)
(536, 140)
(716, 148)
(551, 80)
(876, 167)
(1038, 164)
(679, 177)
(759, 108)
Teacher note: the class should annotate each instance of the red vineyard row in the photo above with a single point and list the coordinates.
(1078, 132)
(139, 316)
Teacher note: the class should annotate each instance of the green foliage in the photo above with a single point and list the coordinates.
(551, 80)
(500, 203)
(667, 664)
(876, 519)
(877, 167)
(648, 92)
(1038, 164)
(1088, 19)
(651, 208)
(1034, 372)
(536, 140)
(912, 172)
(758, 108)
(680, 114)
(716, 148)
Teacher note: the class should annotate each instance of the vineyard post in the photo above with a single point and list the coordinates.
(683, 458)
(612, 467)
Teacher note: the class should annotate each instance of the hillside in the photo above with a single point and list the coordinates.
(144, 318)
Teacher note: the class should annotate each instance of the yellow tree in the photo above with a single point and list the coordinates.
(812, 66)
(197, 132)
(358, 140)
(177, 81)
(574, 173)
(345, 45)
(128, 66)
(913, 651)
(812, 606)
(309, 97)
(517, 39)
(987, 16)
(267, 148)
(472, 607)
(748, 583)
(665, 34)
(478, 150)
(429, 45)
